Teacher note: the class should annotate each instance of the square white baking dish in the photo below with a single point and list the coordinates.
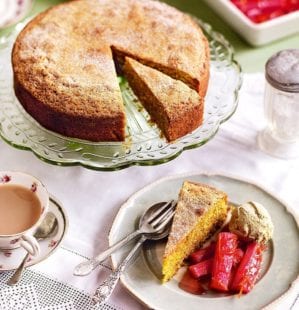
(256, 34)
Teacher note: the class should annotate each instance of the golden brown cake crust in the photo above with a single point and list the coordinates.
(176, 108)
(64, 70)
(199, 212)
(81, 99)
(92, 129)
(194, 200)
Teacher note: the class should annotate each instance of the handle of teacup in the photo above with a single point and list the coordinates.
(30, 244)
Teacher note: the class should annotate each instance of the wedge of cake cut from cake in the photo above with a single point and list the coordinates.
(64, 74)
(200, 210)
(173, 106)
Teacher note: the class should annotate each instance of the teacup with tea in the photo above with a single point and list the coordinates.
(24, 202)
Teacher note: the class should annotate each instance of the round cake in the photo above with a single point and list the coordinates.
(64, 61)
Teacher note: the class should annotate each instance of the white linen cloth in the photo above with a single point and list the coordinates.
(92, 198)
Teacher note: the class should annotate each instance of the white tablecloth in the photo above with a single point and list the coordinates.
(93, 198)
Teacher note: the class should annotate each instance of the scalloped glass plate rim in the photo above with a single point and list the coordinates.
(142, 162)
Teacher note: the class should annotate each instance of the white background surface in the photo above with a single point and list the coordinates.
(92, 198)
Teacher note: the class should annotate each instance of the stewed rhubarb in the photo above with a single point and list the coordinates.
(260, 11)
(223, 260)
(202, 254)
(191, 285)
(231, 264)
(201, 269)
(248, 270)
(238, 256)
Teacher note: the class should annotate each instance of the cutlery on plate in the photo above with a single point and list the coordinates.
(154, 219)
(104, 291)
(45, 230)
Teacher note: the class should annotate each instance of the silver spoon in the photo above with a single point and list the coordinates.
(148, 223)
(105, 290)
(45, 230)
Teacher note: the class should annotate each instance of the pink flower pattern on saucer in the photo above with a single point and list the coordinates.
(52, 243)
(14, 241)
(33, 187)
(7, 253)
(5, 179)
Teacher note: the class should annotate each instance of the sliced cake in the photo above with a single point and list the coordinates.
(200, 210)
(176, 108)
(161, 37)
(64, 73)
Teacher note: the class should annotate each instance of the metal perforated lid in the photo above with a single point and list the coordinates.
(282, 70)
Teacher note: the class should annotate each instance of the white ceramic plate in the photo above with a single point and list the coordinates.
(280, 264)
(11, 259)
(256, 34)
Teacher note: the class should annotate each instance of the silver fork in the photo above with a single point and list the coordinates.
(106, 288)
(153, 220)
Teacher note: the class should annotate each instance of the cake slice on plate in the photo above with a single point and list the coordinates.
(172, 105)
(200, 210)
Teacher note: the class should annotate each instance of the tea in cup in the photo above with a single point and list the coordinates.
(24, 202)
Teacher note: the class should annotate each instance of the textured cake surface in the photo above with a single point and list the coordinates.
(200, 209)
(64, 70)
(176, 108)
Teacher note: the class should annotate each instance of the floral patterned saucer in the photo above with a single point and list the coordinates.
(11, 259)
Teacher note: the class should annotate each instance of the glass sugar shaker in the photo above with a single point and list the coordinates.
(281, 102)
